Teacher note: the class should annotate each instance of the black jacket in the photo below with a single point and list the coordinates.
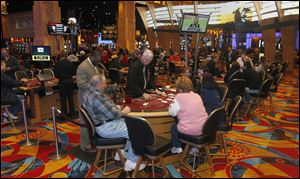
(136, 82)
(231, 57)
(8, 95)
(252, 78)
(64, 70)
(212, 69)
(14, 66)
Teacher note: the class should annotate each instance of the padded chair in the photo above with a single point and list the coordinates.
(223, 91)
(236, 87)
(276, 71)
(114, 76)
(146, 144)
(20, 74)
(47, 71)
(10, 119)
(225, 128)
(271, 69)
(262, 75)
(202, 141)
(234, 75)
(263, 93)
(275, 85)
(102, 144)
(284, 67)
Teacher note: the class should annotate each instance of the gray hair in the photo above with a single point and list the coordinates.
(148, 53)
(96, 79)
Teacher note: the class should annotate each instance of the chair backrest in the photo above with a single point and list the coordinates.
(236, 87)
(47, 71)
(277, 80)
(265, 88)
(172, 67)
(233, 76)
(140, 132)
(262, 75)
(271, 68)
(284, 67)
(232, 108)
(223, 90)
(114, 75)
(20, 74)
(276, 71)
(211, 125)
(88, 121)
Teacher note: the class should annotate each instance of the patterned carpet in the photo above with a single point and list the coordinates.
(262, 147)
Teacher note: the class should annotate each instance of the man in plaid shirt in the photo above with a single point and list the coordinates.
(107, 117)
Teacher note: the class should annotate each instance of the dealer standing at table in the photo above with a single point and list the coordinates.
(85, 71)
(139, 77)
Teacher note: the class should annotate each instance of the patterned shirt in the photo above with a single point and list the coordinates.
(99, 106)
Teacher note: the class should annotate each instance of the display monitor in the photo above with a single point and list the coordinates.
(194, 23)
(41, 53)
(58, 29)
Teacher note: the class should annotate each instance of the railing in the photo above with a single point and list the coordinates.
(28, 141)
(57, 155)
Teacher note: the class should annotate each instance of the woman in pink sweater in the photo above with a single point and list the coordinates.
(190, 111)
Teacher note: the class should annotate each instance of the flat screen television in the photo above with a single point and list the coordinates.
(57, 29)
(194, 23)
(40, 53)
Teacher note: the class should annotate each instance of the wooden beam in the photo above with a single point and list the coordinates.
(279, 10)
(170, 10)
(142, 12)
(257, 5)
(152, 12)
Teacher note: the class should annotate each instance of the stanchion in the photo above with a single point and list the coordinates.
(28, 141)
(56, 155)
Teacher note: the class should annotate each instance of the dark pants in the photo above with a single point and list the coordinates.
(66, 91)
(175, 140)
(17, 106)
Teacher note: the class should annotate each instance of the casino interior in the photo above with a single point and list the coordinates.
(150, 89)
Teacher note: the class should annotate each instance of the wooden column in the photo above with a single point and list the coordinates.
(288, 36)
(4, 26)
(165, 37)
(126, 25)
(269, 39)
(44, 12)
(151, 37)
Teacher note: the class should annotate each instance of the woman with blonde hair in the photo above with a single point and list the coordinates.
(190, 111)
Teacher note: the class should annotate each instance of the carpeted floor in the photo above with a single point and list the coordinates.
(262, 147)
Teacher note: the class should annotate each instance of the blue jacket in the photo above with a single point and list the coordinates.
(211, 100)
